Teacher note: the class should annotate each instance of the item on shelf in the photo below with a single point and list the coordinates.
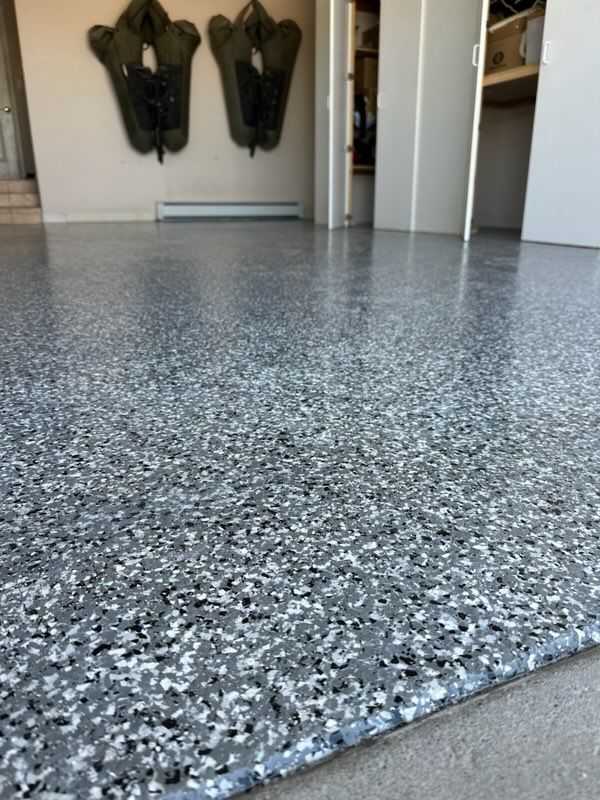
(256, 102)
(505, 45)
(364, 118)
(367, 72)
(155, 105)
(372, 95)
(370, 38)
(535, 37)
(365, 151)
(365, 131)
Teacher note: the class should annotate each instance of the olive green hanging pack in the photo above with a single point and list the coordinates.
(279, 44)
(155, 105)
(256, 102)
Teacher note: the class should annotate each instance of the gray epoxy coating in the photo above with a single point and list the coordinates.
(267, 493)
(536, 738)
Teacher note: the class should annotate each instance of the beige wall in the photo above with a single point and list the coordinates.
(85, 165)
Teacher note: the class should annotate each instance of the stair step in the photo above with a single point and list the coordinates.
(18, 187)
(20, 203)
(19, 200)
(20, 216)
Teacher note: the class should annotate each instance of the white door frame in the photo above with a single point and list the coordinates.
(479, 56)
(332, 162)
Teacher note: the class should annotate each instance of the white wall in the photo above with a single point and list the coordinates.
(85, 165)
(503, 167)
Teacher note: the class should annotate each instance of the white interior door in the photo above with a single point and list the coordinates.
(479, 53)
(446, 101)
(400, 48)
(426, 103)
(9, 152)
(563, 192)
(332, 112)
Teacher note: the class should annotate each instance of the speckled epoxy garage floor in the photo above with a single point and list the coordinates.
(266, 492)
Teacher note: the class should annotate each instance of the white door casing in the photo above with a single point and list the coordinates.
(338, 113)
(322, 57)
(332, 112)
(479, 54)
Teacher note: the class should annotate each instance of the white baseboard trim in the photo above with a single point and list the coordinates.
(184, 211)
(101, 216)
(171, 212)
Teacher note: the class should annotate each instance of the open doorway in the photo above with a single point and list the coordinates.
(509, 59)
(365, 67)
(16, 149)
(513, 51)
(347, 74)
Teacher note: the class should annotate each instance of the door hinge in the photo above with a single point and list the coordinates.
(350, 76)
(349, 217)
(349, 148)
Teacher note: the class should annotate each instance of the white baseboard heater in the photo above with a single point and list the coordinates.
(180, 212)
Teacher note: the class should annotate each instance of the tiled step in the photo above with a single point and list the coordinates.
(20, 203)
(18, 187)
(20, 216)
(19, 200)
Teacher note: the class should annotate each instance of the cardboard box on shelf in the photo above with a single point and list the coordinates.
(505, 45)
(367, 71)
(371, 38)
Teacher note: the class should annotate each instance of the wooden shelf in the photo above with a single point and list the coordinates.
(364, 169)
(367, 52)
(508, 75)
(511, 87)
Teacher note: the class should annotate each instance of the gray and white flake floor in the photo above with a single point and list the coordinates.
(268, 492)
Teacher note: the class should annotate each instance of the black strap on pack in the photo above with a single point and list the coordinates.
(156, 98)
(261, 94)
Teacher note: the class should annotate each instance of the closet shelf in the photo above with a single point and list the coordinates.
(511, 87)
(367, 52)
(364, 169)
(508, 75)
